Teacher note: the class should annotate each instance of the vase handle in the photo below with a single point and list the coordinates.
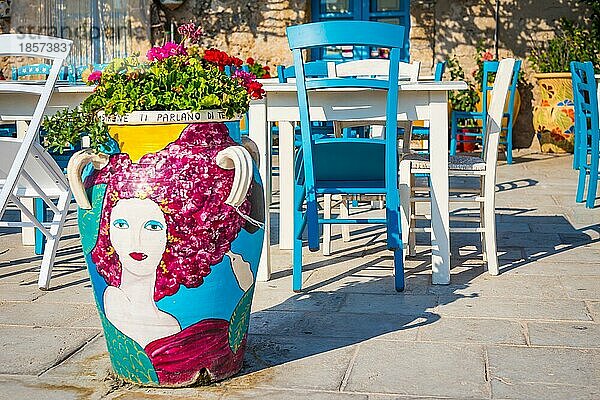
(74, 169)
(239, 159)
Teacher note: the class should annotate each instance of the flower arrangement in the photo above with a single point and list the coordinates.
(175, 76)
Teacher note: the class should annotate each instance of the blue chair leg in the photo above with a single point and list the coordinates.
(298, 230)
(40, 214)
(509, 145)
(453, 130)
(576, 150)
(581, 183)
(398, 270)
(593, 182)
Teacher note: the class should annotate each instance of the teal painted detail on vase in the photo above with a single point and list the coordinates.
(129, 360)
(240, 319)
(89, 220)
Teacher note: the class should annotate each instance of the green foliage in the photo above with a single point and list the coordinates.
(573, 42)
(175, 83)
(461, 100)
(67, 127)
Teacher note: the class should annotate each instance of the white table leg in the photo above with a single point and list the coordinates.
(440, 224)
(259, 133)
(286, 185)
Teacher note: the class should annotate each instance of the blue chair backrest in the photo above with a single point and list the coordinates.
(37, 69)
(76, 72)
(337, 33)
(585, 96)
(312, 69)
(489, 69)
(440, 68)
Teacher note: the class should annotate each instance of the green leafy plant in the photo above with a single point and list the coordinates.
(573, 42)
(175, 76)
(461, 100)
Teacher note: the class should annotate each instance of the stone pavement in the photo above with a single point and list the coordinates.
(531, 333)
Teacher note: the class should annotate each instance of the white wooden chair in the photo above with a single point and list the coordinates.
(482, 168)
(26, 168)
(360, 68)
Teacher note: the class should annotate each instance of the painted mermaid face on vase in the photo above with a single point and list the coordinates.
(138, 233)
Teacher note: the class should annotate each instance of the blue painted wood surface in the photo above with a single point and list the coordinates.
(331, 165)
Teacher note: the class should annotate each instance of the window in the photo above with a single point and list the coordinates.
(388, 11)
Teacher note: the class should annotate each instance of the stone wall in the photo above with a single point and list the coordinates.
(439, 29)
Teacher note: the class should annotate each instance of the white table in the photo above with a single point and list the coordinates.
(19, 107)
(417, 101)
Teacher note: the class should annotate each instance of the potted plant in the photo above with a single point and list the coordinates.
(170, 210)
(553, 112)
(463, 100)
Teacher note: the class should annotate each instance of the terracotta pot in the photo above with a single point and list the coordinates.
(467, 147)
(171, 228)
(553, 112)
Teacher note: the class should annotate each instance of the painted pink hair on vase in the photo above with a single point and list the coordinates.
(190, 188)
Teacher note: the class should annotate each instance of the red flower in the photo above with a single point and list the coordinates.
(255, 90)
(250, 61)
(487, 56)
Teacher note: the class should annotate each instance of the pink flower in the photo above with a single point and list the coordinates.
(190, 32)
(170, 49)
(95, 76)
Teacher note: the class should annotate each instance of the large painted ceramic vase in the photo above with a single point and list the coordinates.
(171, 223)
(554, 112)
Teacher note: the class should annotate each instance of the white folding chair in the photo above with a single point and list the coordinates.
(26, 168)
(481, 168)
(361, 68)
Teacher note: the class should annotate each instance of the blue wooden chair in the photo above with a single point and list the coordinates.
(586, 120)
(75, 73)
(489, 67)
(577, 131)
(37, 69)
(331, 165)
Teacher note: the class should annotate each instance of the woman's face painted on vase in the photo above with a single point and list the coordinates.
(138, 233)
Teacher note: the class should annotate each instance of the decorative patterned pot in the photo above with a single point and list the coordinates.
(172, 239)
(554, 113)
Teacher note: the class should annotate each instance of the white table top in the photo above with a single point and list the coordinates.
(271, 86)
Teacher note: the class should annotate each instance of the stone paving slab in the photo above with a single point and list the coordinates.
(586, 288)
(32, 350)
(469, 330)
(420, 369)
(530, 333)
(585, 335)
(294, 362)
(517, 308)
(46, 314)
(561, 366)
(542, 391)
